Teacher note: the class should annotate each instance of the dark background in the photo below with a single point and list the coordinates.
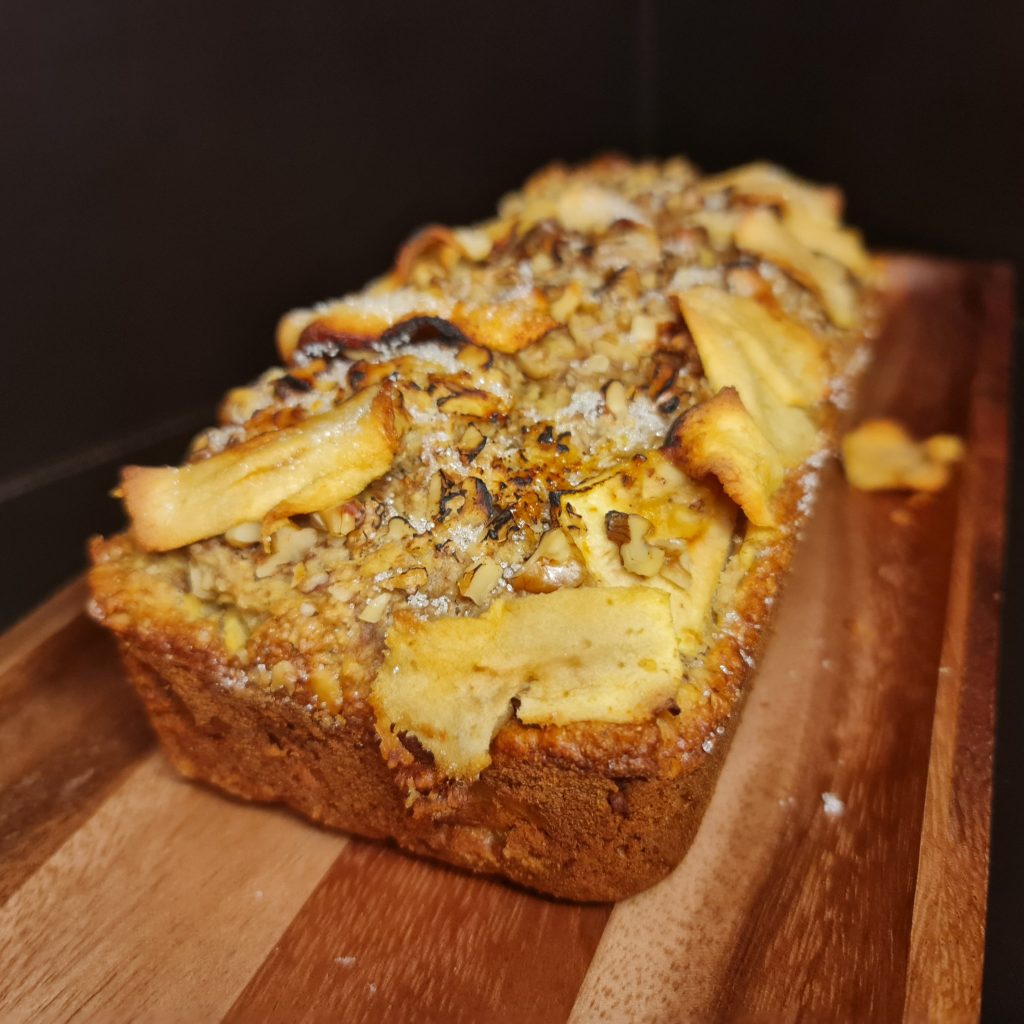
(175, 176)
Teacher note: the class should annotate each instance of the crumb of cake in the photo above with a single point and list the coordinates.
(880, 455)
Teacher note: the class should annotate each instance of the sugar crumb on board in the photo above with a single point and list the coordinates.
(833, 805)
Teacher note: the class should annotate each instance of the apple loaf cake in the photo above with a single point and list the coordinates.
(484, 565)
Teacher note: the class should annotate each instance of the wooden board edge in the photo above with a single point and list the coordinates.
(944, 974)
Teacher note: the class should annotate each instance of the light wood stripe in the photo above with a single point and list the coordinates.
(136, 896)
(159, 908)
(387, 937)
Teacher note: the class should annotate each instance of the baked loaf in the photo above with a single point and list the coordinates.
(483, 567)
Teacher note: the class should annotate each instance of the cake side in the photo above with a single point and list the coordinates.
(562, 830)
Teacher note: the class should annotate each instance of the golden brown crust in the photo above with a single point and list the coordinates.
(553, 827)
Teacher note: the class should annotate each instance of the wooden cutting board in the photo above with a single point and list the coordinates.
(840, 872)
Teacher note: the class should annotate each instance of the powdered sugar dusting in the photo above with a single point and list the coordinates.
(389, 306)
(811, 481)
(645, 424)
(218, 438)
(336, 372)
(464, 537)
(432, 352)
(692, 277)
(841, 387)
(585, 404)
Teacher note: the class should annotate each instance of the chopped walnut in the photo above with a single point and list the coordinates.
(638, 556)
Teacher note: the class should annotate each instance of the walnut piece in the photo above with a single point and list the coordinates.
(638, 556)
(554, 564)
(479, 582)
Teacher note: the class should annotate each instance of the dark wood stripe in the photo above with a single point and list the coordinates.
(69, 728)
(390, 937)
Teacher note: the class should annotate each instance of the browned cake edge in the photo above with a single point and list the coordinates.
(548, 813)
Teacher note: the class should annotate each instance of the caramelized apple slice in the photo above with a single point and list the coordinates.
(788, 357)
(844, 245)
(658, 506)
(763, 234)
(354, 321)
(447, 244)
(586, 207)
(720, 225)
(314, 465)
(767, 183)
(719, 437)
(581, 206)
(507, 325)
(775, 364)
(450, 682)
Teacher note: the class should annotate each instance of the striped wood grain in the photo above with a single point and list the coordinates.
(128, 894)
